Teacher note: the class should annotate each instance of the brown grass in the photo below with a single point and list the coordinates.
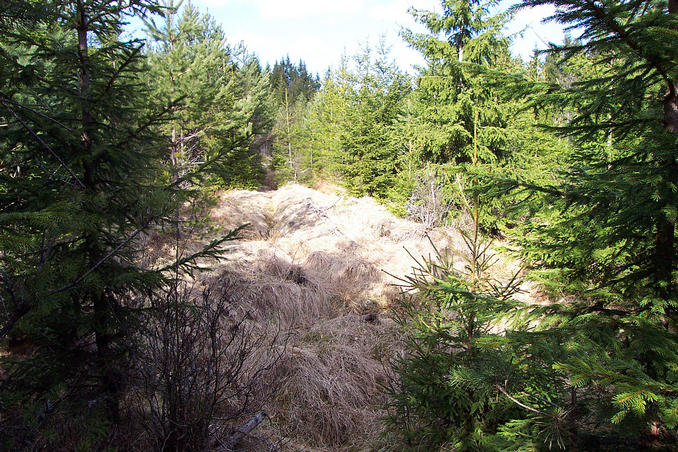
(311, 263)
(331, 396)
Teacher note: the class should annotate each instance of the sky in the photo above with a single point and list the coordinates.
(321, 31)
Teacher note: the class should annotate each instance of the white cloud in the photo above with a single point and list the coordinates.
(301, 9)
(318, 31)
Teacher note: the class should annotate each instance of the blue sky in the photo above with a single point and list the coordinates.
(320, 31)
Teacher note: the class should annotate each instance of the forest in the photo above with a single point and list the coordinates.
(202, 252)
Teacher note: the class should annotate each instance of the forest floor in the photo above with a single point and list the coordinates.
(323, 266)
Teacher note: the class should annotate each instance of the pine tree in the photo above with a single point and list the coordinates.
(223, 101)
(463, 43)
(293, 89)
(80, 183)
(290, 141)
(604, 233)
(325, 119)
(594, 369)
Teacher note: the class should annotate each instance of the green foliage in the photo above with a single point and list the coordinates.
(81, 183)
(601, 231)
(593, 370)
(292, 91)
(292, 156)
(293, 82)
(370, 155)
(324, 119)
(348, 130)
(454, 96)
(448, 91)
(224, 98)
(447, 389)
(573, 156)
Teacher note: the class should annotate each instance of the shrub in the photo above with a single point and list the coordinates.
(202, 367)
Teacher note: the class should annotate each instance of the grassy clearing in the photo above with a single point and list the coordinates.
(318, 265)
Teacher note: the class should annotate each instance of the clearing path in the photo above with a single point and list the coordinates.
(349, 245)
(318, 264)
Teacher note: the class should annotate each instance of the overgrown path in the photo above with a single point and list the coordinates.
(347, 245)
(319, 265)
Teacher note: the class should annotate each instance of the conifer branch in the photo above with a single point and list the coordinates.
(519, 403)
(5, 98)
(42, 142)
(121, 68)
(100, 262)
(22, 310)
(635, 46)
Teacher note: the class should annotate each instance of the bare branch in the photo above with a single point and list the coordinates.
(517, 402)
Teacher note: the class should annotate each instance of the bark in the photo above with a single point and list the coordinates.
(293, 163)
(103, 303)
(665, 238)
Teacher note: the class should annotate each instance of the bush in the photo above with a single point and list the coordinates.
(202, 368)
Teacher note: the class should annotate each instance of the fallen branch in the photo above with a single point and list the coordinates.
(242, 432)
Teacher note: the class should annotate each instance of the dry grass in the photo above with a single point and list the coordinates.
(349, 244)
(331, 396)
(311, 263)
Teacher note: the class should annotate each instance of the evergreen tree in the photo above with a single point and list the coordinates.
(447, 388)
(463, 43)
(292, 90)
(293, 81)
(325, 119)
(369, 154)
(448, 90)
(290, 142)
(595, 369)
(223, 103)
(80, 183)
(604, 231)
(255, 113)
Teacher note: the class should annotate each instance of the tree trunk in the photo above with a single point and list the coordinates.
(293, 163)
(102, 302)
(665, 239)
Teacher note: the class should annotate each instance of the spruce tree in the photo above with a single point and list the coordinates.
(293, 89)
(325, 120)
(465, 36)
(449, 388)
(463, 42)
(603, 240)
(295, 80)
(80, 184)
(593, 368)
(369, 153)
(223, 101)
